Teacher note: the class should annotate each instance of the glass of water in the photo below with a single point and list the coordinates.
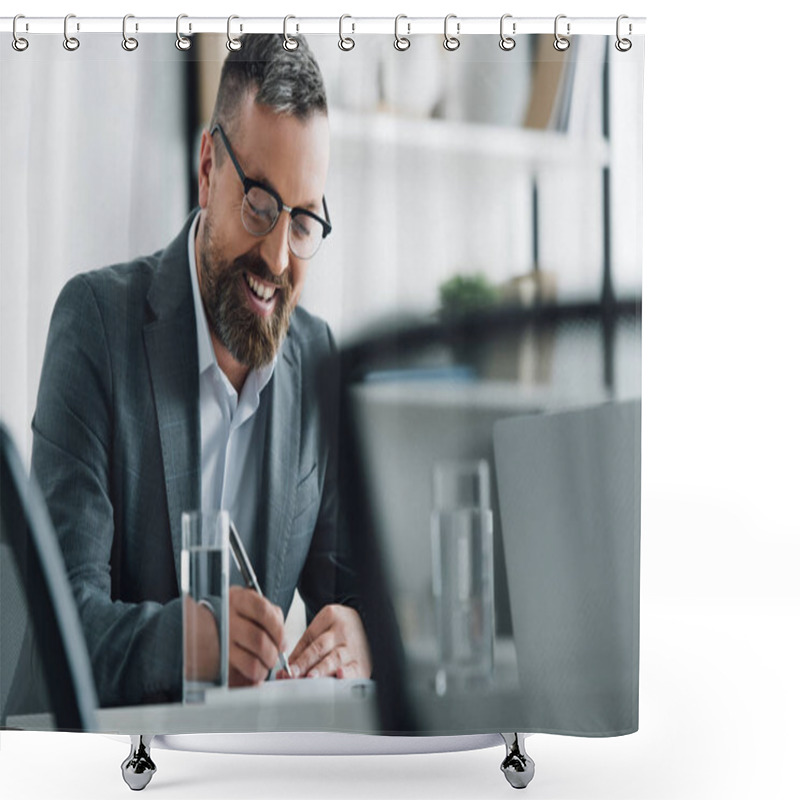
(463, 573)
(205, 565)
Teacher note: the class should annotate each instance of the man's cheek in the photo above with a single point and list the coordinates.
(294, 298)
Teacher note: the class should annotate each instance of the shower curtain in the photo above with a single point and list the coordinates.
(460, 474)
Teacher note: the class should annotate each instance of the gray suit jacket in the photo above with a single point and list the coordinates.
(116, 450)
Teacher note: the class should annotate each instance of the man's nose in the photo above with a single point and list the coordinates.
(275, 246)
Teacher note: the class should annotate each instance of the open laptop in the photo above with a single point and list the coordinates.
(570, 502)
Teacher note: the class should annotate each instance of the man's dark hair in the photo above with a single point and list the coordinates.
(289, 82)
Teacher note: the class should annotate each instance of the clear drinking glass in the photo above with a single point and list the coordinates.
(463, 573)
(205, 578)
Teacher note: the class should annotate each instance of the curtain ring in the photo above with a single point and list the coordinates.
(70, 42)
(233, 43)
(401, 42)
(345, 42)
(561, 43)
(18, 43)
(451, 43)
(507, 42)
(128, 42)
(181, 41)
(623, 45)
(289, 42)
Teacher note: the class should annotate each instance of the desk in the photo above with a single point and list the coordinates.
(330, 705)
(321, 704)
(466, 710)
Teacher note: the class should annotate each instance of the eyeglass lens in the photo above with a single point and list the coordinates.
(260, 212)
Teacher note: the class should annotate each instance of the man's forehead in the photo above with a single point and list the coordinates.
(289, 154)
(264, 124)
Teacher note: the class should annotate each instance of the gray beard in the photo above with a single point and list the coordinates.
(252, 340)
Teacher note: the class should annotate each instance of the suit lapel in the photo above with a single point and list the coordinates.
(170, 342)
(175, 389)
(280, 464)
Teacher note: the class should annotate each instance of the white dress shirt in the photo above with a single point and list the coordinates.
(233, 431)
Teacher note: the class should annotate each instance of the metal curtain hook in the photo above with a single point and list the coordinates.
(345, 42)
(233, 43)
(623, 45)
(451, 42)
(507, 42)
(561, 43)
(401, 42)
(128, 42)
(18, 42)
(289, 42)
(70, 42)
(181, 41)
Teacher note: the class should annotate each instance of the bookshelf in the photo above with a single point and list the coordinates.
(519, 148)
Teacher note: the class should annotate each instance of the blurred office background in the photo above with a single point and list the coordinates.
(456, 177)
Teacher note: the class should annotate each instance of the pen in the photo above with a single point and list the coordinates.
(250, 579)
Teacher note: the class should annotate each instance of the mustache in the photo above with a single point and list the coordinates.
(256, 266)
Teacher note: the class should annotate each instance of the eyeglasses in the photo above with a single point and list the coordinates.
(262, 207)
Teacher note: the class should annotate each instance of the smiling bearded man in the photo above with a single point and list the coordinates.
(192, 379)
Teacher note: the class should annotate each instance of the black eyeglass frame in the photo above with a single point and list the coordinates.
(249, 183)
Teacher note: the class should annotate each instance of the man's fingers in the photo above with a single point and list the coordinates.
(312, 655)
(328, 666)
(258, 610)
(349, 670)
(237, 680)
(245, 668)
(335, 628)
(254, 640)
(321, 622)
(256, 634)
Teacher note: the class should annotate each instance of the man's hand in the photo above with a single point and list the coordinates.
(256, 636)
(201, 642)
(334, 644)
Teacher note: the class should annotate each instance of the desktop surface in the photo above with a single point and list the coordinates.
(321, 704)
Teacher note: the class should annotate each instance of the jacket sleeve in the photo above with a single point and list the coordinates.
(135, 648)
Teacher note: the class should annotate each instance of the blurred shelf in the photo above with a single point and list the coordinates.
(504, 395)
(496, 396)
(519, 147)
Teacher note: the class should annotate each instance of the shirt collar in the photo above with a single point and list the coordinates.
(257, 379)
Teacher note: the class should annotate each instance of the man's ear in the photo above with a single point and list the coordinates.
(205, 168)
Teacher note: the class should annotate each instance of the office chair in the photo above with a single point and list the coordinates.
(44, 665)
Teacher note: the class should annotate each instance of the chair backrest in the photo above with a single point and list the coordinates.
(44, 665)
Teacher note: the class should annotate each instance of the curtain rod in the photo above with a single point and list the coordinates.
(350, 25)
